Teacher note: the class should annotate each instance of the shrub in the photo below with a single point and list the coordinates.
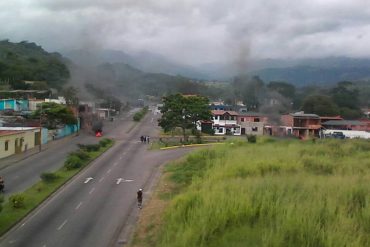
(140, 114)
(81, 154)
(49, 177)
(1, 202)
(104, 142)
(73, 162)
(252, 138)
(17, 200)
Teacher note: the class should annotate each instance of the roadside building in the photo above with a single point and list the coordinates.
(225, 122)
(14, 104)
(301, 125)
(345, 125)
(14, 140)
(251, 123)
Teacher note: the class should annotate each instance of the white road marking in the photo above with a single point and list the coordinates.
(119, 180)
(61, 226)
(92, 190)
(88, 179)
(109, 170)
(22, 224)
(101, 179)
(78, 206)
(128, 180)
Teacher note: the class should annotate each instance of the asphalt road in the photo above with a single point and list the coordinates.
(93, 208)
(23, 174)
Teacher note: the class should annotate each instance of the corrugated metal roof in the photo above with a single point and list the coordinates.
(306, 115)
(343, 122)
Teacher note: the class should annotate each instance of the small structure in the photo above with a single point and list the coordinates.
(345, 125)
(14, 104)
(18, 139)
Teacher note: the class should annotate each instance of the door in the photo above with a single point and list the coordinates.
(243, 131)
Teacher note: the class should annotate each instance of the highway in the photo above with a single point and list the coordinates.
(94, 208)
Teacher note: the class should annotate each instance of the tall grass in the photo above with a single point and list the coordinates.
(273, 193)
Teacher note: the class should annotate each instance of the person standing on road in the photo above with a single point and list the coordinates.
(148, 139)
(140, 198)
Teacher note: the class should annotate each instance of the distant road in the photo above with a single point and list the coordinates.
(95, 207)
(24, 173)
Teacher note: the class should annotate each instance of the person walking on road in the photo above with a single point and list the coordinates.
(140, 198)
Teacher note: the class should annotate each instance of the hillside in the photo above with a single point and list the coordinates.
(28, 61)
(300, 194)
(123, 80)
(314, 75)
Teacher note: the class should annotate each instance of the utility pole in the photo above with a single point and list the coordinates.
(40, 127)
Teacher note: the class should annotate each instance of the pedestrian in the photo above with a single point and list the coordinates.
(142, 138)
(140, 198)
(148, 139)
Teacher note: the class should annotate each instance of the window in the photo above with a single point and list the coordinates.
(256, 119)
(242, 119)
(255, 129)
(6, 145)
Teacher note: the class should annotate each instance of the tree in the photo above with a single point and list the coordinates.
(183, 112)
(320, 105)
(70, 95)
(283, 88)
(53, 114)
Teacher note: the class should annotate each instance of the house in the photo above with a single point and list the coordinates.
(33, 103)
(13, 104)
(221, 106)
(345, 125)
(301, 124)
(252, 123)
(225, 122)
(14, 140)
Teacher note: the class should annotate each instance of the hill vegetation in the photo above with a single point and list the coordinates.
(28, 61)
(273, 193)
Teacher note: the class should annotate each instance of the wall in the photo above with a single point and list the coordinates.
(11, 148)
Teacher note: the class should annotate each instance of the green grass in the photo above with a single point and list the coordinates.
(272, 193)
(40, 191)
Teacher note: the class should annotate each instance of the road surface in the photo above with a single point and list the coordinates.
(92, 209)
(24, 173)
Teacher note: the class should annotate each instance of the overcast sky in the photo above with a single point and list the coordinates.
(194, 31)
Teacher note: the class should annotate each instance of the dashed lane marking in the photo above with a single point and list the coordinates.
(92, 190)
(78, 206)
(61, 226)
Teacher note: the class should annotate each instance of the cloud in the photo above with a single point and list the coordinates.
(193, 31)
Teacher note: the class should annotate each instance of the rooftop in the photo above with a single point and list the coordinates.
(343, 122)
(221, 112)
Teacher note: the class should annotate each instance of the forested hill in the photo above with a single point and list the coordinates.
(28, 61)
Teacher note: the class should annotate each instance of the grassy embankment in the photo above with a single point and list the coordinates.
(273, 193)
(32, 197)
